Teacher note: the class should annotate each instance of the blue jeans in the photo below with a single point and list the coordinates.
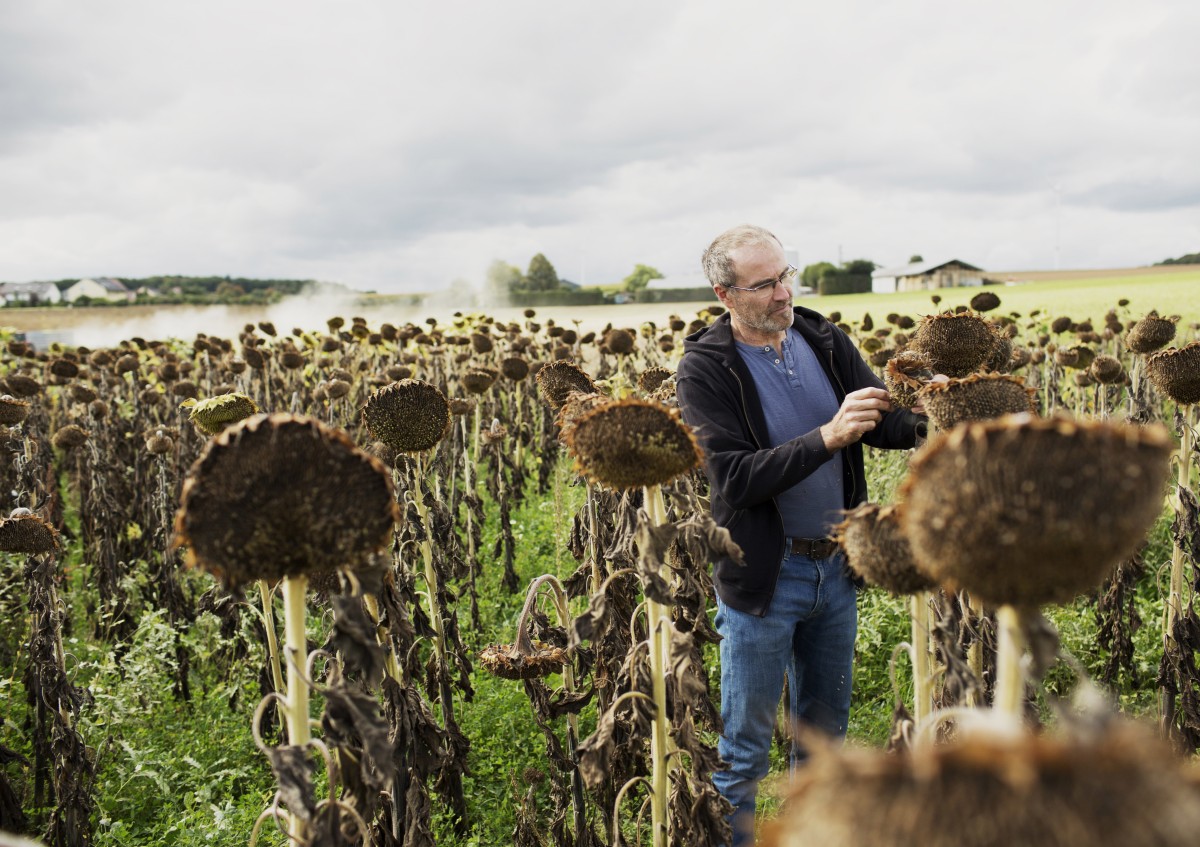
(808, 634)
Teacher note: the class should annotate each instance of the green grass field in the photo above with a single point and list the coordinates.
(1079, 299)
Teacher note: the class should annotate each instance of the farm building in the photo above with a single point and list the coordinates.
(29, 293)
(100, 288)
(924, 275)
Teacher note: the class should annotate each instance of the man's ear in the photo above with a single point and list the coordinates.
(722, 294)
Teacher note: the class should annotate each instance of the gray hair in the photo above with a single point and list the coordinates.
(718, 267)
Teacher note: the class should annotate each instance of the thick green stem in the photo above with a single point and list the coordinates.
(433, 586)
(1010, 676)
(922, 675)
(296, 702)
(1173, 608)
(659, 622)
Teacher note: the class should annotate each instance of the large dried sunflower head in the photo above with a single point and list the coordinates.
(25, 532)
(1176, 373)
(877, 550)
(650, 379)
(559, 378)
(954, 344)
(985, 301)
(1107, 370)
(977, 397)
(632, 443)
(479, 380)
(1150, 333)
(211, 416)
(410, 416)
(1121, 788)
(515, 368)
(504, 661)
(69, 437)
(1027, 511)
(12, 410)
(282, 495)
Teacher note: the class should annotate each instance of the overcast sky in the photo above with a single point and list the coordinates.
(399, 145)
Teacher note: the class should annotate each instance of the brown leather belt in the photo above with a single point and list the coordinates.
(814, 548)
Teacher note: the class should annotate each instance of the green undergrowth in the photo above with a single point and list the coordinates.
(175, 772)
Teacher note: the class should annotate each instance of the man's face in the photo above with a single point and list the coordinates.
(769, 310)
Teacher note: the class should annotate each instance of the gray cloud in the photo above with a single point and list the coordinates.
(398, 146)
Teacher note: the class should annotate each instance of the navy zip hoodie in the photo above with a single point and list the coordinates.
(718, 400)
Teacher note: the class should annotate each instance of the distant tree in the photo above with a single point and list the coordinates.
(227, 290)
(640, 278)
(859, 266)
(541, 275)
(502, 279)
(812, 274)
(915, 258)
(1187, 259)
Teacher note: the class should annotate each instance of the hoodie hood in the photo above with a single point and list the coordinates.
(716, 339)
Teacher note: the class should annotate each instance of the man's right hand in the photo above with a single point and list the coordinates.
(858, 415)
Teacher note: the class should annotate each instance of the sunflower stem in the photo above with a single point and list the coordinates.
(1010, 673)
(922, 675)
(296, 702)
(659, 621)
(1174, 605)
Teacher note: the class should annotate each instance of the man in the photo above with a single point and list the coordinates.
(781, 402)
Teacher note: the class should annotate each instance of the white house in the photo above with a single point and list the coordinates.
(31, 293)
(100, 288)
(924, 275)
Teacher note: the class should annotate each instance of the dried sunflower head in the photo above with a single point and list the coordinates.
(1107, 370)
(410, 416)
(1027, 511)
(650, 379)
(559, 378)
(576, 406)
(12, 410)
(22, 385)
(1150, 333)
(282, 495)
(976, 397)
(1121, 787)
(514, 368)
(619, 341)
(904, 375)
(632, 443)
(985, 301)
(877, 550)
(25, 532)
(504, 661)
(70, 436)
(160, 442)
(954, 344)
(1176, 373)
(479, 380)
(211, 416)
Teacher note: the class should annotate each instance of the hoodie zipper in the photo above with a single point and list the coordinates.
(842, 388)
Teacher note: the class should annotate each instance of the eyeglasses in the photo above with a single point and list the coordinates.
(784, 278)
